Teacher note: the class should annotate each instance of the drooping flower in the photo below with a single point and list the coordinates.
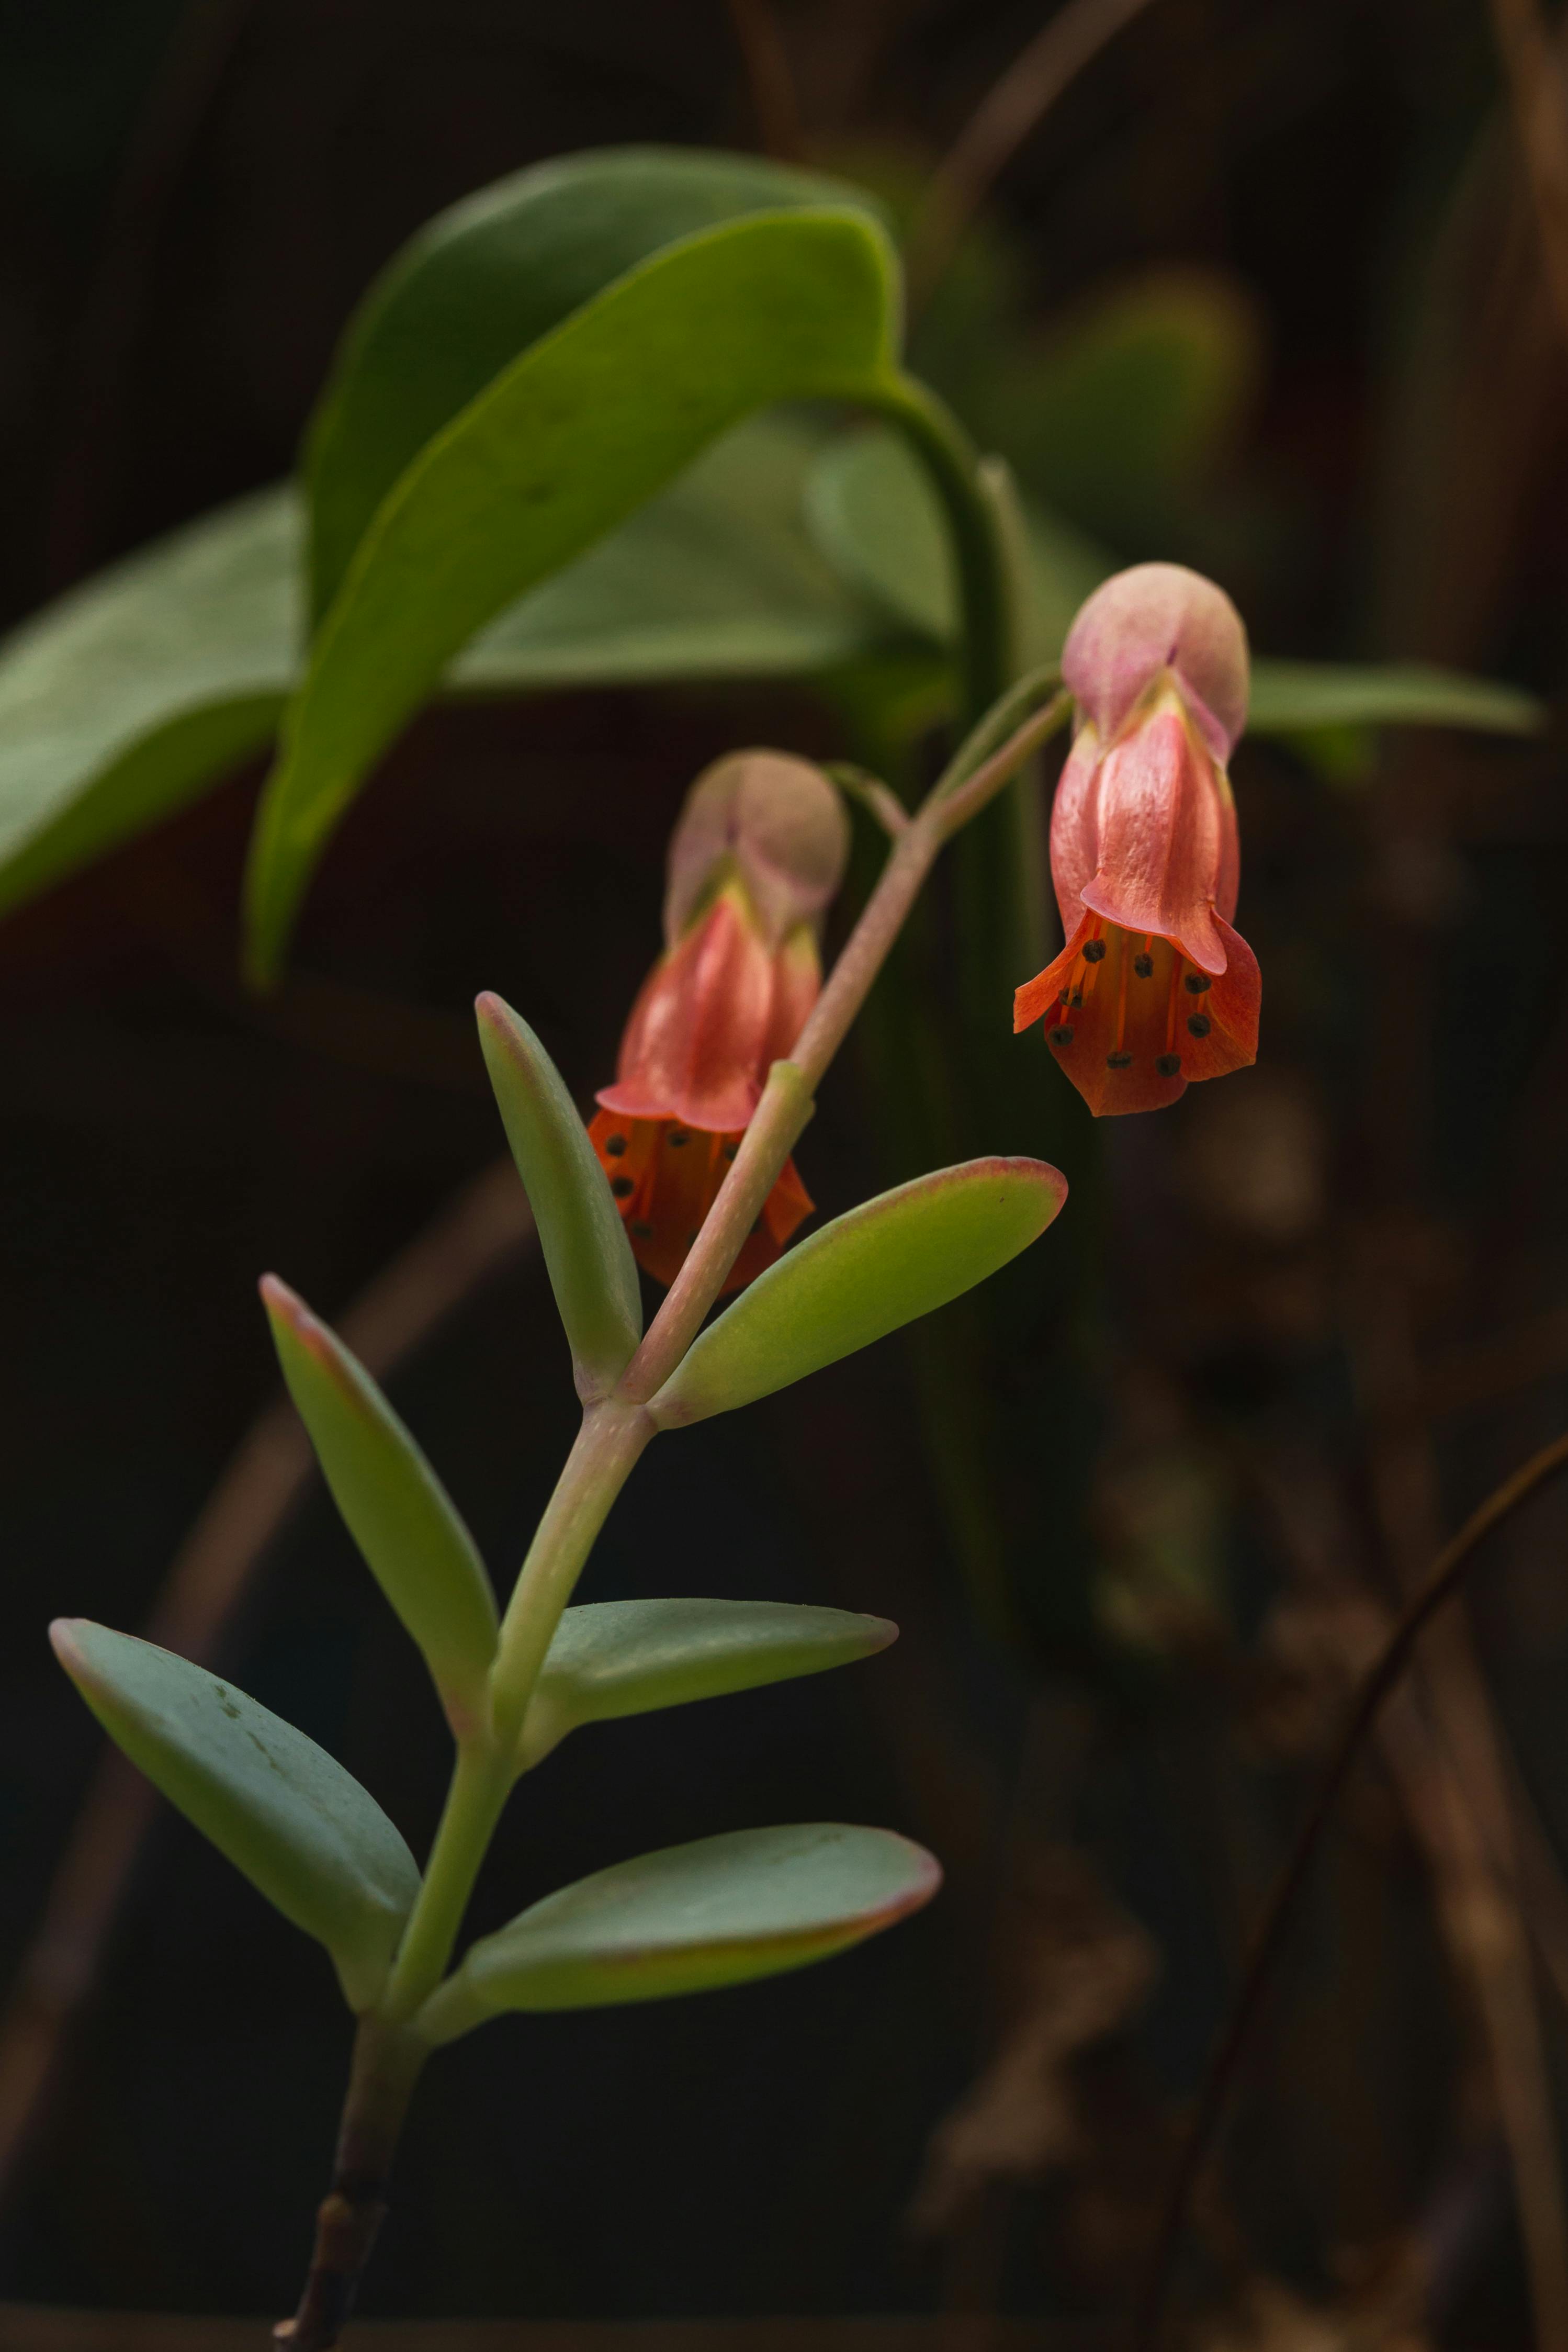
(758, 853)
(1153, 987)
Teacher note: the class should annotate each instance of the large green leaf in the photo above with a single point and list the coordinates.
(689, 1919)
(482, 282)
(585, 426)
(300, 1828)
(716, 577)
(589, 1257)
(871, 1270)
(611, 1658)
(1290, 697)
(875, 515)
(126, 699)
(396, 1509)
(134, 695)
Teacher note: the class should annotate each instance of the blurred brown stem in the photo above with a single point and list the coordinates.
(1444, 1580)
(998, 127)
(1539, 97)
(485, 1225)
(770, 83)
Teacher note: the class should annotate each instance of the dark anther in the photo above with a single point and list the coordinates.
(1143, 965)
(1061, 1037)
(730, 1149)
(623, 1187)
(679, 1136)
(1198, 983)
(1118, 1061)
(1168, 1065)
(1198, 1025)
(615, 1145)
(1076, 997)
(1063, 998)
(643, 1233)
(1093, 951)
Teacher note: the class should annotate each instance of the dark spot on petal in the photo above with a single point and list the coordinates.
(730, 1149)
(1144, 966)
(1168, 1065)
(1197, 982)
(1093, 951)
(644, 1233)
(1118, 1061)
(623, 1187)
(1198, 1025)
(678, 1137)
(615, 1145)
(1061, 1037)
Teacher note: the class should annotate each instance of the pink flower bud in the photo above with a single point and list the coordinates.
(776, 823)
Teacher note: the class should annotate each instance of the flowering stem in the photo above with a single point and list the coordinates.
(613, 1433)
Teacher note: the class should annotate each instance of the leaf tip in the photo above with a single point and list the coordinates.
(67, 1648)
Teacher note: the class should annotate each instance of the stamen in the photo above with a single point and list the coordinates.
(1061, 1035)
(678, 1137)
(644, 1232)
(1171, 1016)
(1197, 982)
(1121, 1012)
(1144, 965)
(1198, 1025)
(1168, 1065)
(730, 1149)
(1076, 997)
(615, 1145)
(1118, 1060)
(623, 1187)
(1093, 951)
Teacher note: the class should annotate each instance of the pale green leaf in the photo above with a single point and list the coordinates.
(612, 1658)
(284, 1811)
(131, 696)
(589, 1258)
(567, 441)
(395, 1508)
(875, 515)
(688, 1919)
(486, 279)
(869, 1272)
(1292, 697)
(128, 696)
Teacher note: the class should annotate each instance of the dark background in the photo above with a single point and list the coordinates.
(191, 202)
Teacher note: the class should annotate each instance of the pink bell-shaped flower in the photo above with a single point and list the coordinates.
(1154, 986)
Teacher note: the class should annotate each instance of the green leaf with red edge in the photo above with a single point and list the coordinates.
(588, 423)
(586, 1252)
(397, 1510)
(690, 1919)
(869, 1272)
(285, 1812)
(611, 1658)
